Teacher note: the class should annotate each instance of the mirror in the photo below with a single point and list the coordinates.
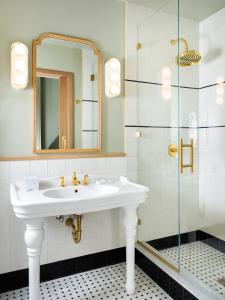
(67, 84)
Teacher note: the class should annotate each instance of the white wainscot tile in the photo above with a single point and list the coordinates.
(19, 169)
(56, 236)
(74, 165)
(16, 225)
(4, 170)
(131, 141)
(4, 218)
(131, 164)
(131, 103)
(39, 168)
(5, 263)
(89, 166)
(56, 167)
(116, 166)
(95, 165)
(18, 253)
(56, 253)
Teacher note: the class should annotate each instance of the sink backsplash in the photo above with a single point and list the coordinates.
(101, 231)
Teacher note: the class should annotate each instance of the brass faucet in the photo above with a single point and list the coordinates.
(75, 180)
(85, 180)
(62, 181)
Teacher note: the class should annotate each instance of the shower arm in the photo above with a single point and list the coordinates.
(175, 41)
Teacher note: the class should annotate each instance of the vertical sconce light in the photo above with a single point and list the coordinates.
(220, 90)
(112, 78)
(19, 65)
(166, 83)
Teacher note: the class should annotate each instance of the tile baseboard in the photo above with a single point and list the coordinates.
(19, 279)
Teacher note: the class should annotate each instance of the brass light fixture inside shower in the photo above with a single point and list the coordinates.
(188, 57)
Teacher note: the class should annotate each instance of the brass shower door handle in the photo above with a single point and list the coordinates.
(191, 147)
(173, 151)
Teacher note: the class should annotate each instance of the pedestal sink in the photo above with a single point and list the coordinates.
(101, 193)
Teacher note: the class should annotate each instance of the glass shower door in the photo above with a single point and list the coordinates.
(157, 119)
(202, 114)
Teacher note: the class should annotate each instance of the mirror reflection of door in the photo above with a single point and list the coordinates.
(55, 109)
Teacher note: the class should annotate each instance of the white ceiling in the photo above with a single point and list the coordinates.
(196, 10)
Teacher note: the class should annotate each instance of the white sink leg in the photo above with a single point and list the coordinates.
(130, 223)
(34, 235)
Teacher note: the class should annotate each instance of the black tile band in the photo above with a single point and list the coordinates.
(188, 237)
(90, 100)
(18, 279)
(175, 127)
(173, 85)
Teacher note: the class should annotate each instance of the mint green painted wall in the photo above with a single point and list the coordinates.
(101, 21)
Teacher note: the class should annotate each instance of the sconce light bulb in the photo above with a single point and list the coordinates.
(20, 65)
(19, 49)
(114, 63)
(114, 77)
(114, 90)
(20, 80)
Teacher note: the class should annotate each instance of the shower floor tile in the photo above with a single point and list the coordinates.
(203, 262)
(103, 283)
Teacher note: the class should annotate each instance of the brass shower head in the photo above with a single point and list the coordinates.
(188, 57)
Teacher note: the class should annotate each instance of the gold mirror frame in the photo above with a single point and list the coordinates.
(97, 52)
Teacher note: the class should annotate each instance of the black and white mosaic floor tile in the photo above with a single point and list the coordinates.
(204, 262)
(99, 284)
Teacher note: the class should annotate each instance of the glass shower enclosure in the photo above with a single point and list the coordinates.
(175, 133)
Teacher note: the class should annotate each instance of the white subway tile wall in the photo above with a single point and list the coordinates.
(100, 231)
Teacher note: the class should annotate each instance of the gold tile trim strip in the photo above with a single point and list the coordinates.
(149, 249)
(48, 157)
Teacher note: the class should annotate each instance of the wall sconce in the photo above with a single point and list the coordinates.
(19, 65)
(112, 78)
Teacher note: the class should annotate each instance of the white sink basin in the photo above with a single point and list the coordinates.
(51, 199)
(81, 192)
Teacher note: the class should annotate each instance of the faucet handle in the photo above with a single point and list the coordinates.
(62, 181)
(85, 180)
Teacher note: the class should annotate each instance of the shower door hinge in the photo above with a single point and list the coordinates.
(139, 221)
(138, 46)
